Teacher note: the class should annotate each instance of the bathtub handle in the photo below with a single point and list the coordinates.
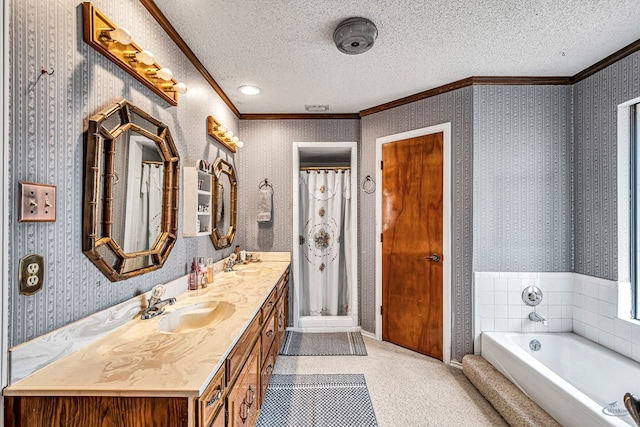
(632, 402)
(434, 258)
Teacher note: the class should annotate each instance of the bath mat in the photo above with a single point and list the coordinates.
(323, 344)
(319, 400)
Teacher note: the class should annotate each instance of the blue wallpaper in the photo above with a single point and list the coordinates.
(46, 145)
(523, 212)
(595, 163)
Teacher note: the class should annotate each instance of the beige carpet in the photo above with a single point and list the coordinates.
(406, 388)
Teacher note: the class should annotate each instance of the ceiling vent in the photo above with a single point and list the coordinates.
(355, 35)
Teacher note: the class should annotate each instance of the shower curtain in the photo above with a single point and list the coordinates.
(149, 212)
(325, 242)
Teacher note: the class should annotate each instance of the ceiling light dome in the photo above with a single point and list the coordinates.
(355, 35)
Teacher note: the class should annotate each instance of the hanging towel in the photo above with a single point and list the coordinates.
(265, 200)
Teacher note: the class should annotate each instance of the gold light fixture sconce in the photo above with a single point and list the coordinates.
(115, 43)
(223, 135)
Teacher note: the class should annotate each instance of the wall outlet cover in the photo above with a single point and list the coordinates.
(30, 274)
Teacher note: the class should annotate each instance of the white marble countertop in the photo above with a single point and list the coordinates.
(137, 359)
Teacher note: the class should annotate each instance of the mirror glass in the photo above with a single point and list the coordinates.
(224, 204)
(131, 192)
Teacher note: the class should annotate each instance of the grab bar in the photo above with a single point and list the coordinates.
(632, 402)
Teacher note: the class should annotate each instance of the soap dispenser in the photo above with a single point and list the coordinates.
(210, 271)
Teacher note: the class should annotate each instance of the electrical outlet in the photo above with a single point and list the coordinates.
(30, 274)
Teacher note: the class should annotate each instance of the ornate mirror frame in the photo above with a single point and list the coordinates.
(223, 170)
(102, 138)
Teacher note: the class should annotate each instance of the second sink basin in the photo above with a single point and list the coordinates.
(253, 271)
(196, 316)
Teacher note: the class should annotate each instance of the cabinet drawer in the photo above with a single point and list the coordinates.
(238, 355)
(269, 332)
(268, 366)
(212, 398)
(243, 401)
(268, 305)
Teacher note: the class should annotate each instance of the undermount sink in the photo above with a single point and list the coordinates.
(253, 271)
(196, 316)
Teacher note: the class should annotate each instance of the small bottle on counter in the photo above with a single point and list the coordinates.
(193, 276)
(209, 271)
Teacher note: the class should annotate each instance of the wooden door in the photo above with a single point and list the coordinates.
(412, 178)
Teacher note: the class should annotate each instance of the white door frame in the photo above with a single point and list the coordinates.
(4, 195)
(333, 323)
(445, 128)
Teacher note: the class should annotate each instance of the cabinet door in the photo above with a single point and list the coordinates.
(218, 421)
(243, 402)
(212, 399)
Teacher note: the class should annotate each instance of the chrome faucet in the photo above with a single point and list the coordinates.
(156, 304)
(535, 317)
(229, 263)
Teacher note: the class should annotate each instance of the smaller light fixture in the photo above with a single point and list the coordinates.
(120, 35)
(249, 89)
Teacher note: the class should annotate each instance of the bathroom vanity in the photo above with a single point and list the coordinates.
(206, 362)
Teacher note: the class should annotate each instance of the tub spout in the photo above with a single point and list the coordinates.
(535, 317)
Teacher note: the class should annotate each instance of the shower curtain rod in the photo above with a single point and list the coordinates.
(328, 168)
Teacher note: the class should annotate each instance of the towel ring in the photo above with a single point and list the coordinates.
(264, 183)
(368, 185)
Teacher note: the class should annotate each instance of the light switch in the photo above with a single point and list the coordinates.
(37, 202)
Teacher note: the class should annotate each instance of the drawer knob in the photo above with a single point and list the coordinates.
(269, 333)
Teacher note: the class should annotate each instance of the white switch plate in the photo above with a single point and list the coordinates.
(37, 202)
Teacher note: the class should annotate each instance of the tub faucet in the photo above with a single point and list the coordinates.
(535, 317)
(632, 402)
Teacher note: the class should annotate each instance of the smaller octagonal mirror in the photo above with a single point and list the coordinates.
(224, 204)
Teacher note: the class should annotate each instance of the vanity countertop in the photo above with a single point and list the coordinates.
(138, 360)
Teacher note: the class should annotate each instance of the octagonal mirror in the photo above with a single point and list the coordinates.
(224, 204)
(131, 192)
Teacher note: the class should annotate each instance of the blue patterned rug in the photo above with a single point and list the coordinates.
(319, 400)
(323, 344)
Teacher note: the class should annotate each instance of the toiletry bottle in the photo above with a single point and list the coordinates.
(209, 270)
(202, 272)
(193, 277)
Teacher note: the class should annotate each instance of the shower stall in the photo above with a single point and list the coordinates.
(325, 267)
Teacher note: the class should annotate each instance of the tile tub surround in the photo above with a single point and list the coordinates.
(499, 307)
(97, 329)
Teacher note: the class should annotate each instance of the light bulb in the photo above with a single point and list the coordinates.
(180, 88)
(121, 35)
(221, 129)
(165, 74)
(234, 139)
(228, 134)
(239, 144)
(146, 57)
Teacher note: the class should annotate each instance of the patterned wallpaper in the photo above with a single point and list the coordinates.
(47, 121)
(522, 178)
(595, 164)
(455, 107)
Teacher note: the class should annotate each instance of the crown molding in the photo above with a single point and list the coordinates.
(306, 116)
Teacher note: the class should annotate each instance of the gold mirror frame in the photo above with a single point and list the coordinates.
(222, 170)
(98, 243)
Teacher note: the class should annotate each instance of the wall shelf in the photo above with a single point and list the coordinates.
(196, 207)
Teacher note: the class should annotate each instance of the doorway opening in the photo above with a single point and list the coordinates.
(325, 268)
(444, 258)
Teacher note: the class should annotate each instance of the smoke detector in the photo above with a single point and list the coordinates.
(316, 108)
(355, 35)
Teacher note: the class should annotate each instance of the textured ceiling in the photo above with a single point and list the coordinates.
(286, 47)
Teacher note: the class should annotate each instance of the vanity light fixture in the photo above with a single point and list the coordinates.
(115, 43)
(223, 135)
(249, 89)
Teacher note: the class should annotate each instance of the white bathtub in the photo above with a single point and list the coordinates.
(578, 382)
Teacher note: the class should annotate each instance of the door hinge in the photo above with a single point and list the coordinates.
(381, 164)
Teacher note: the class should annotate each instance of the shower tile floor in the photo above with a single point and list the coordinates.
(406, 388)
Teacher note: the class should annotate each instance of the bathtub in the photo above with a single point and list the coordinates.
(578, 382)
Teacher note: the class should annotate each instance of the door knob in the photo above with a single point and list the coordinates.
(434, 258)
